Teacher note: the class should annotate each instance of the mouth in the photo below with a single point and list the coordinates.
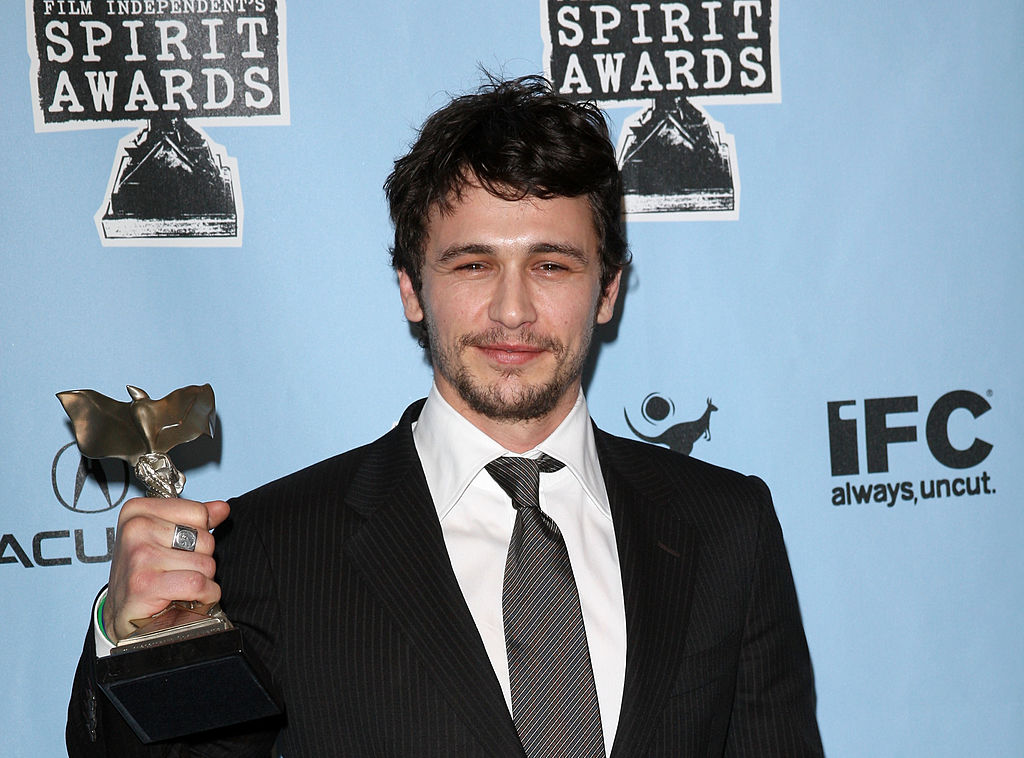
(510, 354)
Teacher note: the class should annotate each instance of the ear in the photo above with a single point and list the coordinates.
(410, 300)
(606, 307)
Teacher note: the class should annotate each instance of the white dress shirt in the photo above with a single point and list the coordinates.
(477, 517)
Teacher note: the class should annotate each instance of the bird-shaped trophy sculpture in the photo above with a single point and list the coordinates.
(184, 669)
(142, 431)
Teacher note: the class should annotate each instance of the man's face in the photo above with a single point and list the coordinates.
(510, 295)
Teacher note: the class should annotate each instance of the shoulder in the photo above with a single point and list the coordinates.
(350, 477)
(641, 461)
(296, 521)
(331, 474)
(694, 489)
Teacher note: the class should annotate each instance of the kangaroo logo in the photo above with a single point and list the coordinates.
(678, 437)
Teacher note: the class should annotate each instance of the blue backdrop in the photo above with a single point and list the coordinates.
(875, 264)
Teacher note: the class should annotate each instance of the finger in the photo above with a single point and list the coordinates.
(174, 510)
(187, 585)
(148, 538)
(162, 589)
(155, 589)
(149, 559)
(166, 534)
(217, 511)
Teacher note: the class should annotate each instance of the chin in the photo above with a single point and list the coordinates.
(511, 401)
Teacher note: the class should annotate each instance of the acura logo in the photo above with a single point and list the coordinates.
(90, 476)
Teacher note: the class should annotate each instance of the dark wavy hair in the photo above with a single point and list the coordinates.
(518, 139)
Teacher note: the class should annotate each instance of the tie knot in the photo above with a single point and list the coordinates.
(520, 477)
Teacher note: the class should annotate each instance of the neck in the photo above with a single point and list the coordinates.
(517, 436)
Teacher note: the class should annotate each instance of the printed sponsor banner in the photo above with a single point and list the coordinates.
(657, 410)
(670, 59)
(879, 273)
(949, 432)
(165, 66)
(84, 487)
(624, 52)
(110, 62)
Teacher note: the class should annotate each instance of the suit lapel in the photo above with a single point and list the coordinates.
(400, 551)
(657, 553)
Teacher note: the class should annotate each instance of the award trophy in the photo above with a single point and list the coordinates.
(184, 670)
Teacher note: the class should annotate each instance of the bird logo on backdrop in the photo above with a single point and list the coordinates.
(678, 437)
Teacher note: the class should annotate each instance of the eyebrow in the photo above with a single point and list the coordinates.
(568, 250)
(457, 251)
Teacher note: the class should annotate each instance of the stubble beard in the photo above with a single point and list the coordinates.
(503, 399)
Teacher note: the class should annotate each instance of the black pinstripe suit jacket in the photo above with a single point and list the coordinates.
(340, 579)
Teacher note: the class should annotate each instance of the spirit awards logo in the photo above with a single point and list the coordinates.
(86, 488)
(669, 59)
(950, 434)
(679, 437)
(166, 67)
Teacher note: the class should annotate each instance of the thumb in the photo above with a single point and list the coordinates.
(217, 511)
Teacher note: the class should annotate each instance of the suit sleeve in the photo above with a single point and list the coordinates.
(773, 713)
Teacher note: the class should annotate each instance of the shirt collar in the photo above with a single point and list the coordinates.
(440, 430)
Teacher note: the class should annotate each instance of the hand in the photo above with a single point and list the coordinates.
(147, 573)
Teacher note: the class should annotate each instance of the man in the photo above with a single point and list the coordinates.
(415, 596)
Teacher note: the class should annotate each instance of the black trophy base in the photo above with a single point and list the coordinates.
(186, 687)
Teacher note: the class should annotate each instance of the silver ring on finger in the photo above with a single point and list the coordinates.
(185, 538)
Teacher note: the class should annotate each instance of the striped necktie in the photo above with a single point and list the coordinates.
(554, 701)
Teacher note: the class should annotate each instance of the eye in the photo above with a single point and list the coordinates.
(551, 266)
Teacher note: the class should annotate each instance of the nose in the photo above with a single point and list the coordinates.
(511, 303)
